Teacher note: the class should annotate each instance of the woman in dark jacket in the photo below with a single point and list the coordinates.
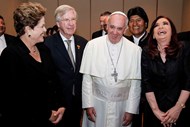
(29, 87)
(166, 77)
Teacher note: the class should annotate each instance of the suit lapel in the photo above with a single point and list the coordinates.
(59, 44)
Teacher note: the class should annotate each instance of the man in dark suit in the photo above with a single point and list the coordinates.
(102, 31)
(5, 39)
(138, 23)
(68, 68)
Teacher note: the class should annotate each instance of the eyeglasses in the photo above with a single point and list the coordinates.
(69, 20)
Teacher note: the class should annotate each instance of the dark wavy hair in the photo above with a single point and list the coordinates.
(27, 14)
(172, 51)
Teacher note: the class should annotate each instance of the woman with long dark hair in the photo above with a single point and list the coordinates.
(166, 77)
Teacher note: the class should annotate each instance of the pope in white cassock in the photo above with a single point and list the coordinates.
(111, 77)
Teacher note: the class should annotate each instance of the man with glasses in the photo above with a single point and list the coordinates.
(67, 50)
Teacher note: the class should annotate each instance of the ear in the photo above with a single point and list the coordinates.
(27, 28)
(28, 31)
(57, 23)
(146, 25)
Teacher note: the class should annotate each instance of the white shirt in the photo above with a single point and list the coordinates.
(2, 43)
(103, 32)
(72, 44)
(136, 40)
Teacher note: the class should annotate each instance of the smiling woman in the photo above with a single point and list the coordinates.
(166, 77)
(28, 64)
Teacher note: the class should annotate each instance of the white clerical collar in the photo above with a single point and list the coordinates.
(115, 45)
(136, 40)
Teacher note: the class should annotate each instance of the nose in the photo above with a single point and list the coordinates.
(45, 29)
(161, 26)
(115, 31)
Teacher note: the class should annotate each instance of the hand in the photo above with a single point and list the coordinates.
(159, 114)
(53, 117)
(91, 114)
(57, 115)
(127, 119)
(172, 115)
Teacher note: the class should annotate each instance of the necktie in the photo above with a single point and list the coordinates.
(70, 52)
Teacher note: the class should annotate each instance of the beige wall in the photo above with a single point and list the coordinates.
(186, 16)
(172, 9)
(6, 10)
(89, 11)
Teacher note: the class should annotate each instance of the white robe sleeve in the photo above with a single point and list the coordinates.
(87, 91)
(134, 97)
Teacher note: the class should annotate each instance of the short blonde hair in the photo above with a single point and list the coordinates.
(27, 14)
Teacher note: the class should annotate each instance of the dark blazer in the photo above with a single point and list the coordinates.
(9, 38)
(142, 42)
(28, 90)
(65, 70)
(97, 34)
(184, 36)
(63, 63)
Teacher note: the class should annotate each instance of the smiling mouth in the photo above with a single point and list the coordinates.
(135, 28)
(162, 33)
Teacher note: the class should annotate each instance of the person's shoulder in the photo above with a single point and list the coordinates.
(186, 45)
(9, 38)
(131, 45)
(80, 38)
(98, 31)
(50, 40)
(52, 36)
(13, 46)
(96, 34)
(98, 39)
(184, 36)
(9, 35)
(129, 42)
(129, 37)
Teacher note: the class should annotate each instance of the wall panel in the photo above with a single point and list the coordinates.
(6, 10)
(173, 10)
(186, 16)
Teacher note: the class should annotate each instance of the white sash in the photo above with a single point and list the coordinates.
(111, 93)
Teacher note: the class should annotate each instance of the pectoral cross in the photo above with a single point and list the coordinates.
(115, 74)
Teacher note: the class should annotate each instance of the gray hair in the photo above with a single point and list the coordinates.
(61, 10)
